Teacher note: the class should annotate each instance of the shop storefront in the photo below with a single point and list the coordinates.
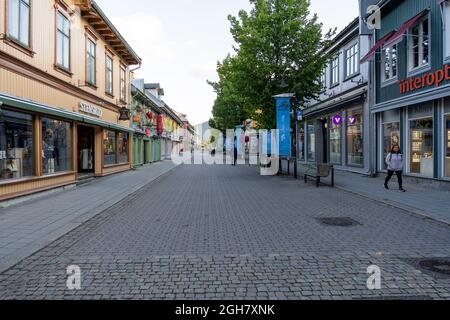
(43, 146)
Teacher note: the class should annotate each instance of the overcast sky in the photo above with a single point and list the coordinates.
(180, 42)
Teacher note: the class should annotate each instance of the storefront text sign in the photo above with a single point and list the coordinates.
(87, 108)
(426, 80)
(352, 120)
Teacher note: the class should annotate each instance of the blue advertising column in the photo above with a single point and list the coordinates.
(284, 125)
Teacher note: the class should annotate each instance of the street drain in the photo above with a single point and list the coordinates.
(441, 266)
(339, 221)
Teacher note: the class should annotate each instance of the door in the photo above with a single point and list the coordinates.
(86, 151)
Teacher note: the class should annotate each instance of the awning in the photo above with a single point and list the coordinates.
(399, 34)
(27, 105)
(377, 45)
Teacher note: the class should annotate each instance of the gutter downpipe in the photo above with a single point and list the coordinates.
(372, 116)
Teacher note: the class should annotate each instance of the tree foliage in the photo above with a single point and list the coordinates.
(279, 41)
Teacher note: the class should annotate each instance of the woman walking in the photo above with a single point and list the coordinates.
(394, 161)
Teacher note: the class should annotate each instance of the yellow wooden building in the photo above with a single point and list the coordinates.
(65, 75)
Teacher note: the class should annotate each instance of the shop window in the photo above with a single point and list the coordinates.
(56, 146)
(122, 146)
(391, 137)
(311, 142)
(19, 21)
(389, 63)
(447, 146)
(335, 140)
(355, 139)
(301, 141)
(419, 44)
(421, 146)
(16, 145)
(109, 147)
(62, 41)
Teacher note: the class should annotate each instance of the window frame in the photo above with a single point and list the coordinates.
(123, 90)
(410, 57)
(323, 80)
(334, 68)
(14, 41)
(383, 64)
(355, 57)
(57, 65)
(446, 30)
(111, 57)
(94, 42)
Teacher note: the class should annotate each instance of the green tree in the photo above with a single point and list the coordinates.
(279, 41)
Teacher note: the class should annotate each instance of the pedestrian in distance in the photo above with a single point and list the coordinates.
(394, 161)
(235, 152)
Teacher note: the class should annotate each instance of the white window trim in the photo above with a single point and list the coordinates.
(421, 67)
(337, 68)
(408, 144)
(355, 56)
(383, 64)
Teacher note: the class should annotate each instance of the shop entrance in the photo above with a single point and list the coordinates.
(86, 150)
(324, 127)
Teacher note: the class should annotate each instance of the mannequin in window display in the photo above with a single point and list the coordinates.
(49, 151)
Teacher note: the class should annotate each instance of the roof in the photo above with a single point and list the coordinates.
(100, 22)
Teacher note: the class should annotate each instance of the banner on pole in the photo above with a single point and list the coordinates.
(284, 125)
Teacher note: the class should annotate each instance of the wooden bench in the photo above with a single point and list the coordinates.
(320, 170)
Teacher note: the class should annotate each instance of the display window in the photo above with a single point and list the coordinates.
(301, 142)
(447, 146)
(355, 138)
(335, 139)
(421, 146)
(56, 146)
(16, 145)
(311, 142)
(391, 137)
(122, 146)
(109, 147)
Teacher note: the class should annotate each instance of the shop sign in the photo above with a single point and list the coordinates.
(300, 115)
(337, 120)
(137, 118)
(124, 114)
(352, 119)
(87, 108)
(426, 80)
(148, 133)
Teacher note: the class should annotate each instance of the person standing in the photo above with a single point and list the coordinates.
(394, 161)
(235, 151)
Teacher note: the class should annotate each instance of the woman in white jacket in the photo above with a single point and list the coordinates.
(394, 161)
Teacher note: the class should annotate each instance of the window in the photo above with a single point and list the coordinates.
(335, 71)
(351, 61)
(391, 137)
(109, 75)
(109, 147)
(62, 41)
(123, 85)
(19, 21)
(301, 141)
(90, 62)
(419, 45)
(421, 146)
(323, 79)
(16, 145)
(311, 142)
(447, 146)
(56, 146)
(389, 63)
(355, 138)
(446, 33)
(335, 140)
(122, 146)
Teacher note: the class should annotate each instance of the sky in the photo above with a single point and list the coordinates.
(180, 42)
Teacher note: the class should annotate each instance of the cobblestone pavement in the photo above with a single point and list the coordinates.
(222, 232)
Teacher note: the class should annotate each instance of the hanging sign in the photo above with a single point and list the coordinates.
(337, 120)
(124, 114)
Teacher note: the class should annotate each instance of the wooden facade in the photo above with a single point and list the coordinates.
(32, 79)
